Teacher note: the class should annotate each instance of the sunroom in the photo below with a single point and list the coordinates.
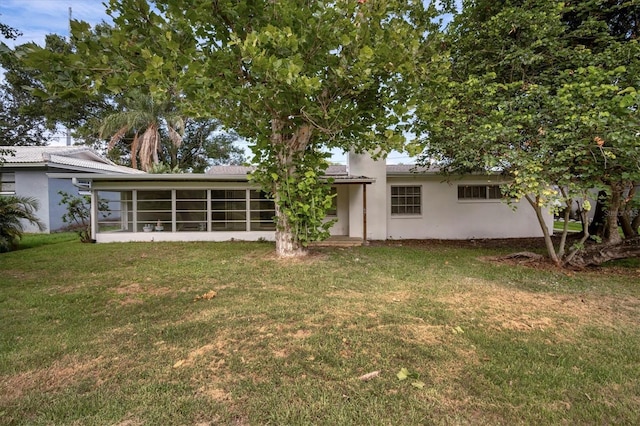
(198, 207)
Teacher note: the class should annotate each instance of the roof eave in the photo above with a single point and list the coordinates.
(106, 177)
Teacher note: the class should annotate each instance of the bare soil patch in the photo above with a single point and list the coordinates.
(517, 244)
(62, 373)
(510, 309)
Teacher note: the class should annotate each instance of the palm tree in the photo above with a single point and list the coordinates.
(145, 117)
(13, 210)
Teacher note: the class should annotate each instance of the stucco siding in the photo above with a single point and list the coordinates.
(376, 197)
(341, 227)
(34, 184)
(56, 211)
(444, 216)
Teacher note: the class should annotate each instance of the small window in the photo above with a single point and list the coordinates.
(479, 192)
(7, 183)
(406, 200)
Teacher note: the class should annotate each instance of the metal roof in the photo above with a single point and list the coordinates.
(81, 158)
(410, 169)
(332, 170)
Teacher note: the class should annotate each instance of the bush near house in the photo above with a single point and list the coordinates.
(14, 210)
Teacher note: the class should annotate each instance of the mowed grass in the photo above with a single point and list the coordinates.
(120, 334)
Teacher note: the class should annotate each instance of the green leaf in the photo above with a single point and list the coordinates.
(403, 374)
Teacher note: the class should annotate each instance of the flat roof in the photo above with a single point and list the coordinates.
(186, 177)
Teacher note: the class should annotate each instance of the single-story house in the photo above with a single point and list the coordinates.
(24, 172)
(374, 201)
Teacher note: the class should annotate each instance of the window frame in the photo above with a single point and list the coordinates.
(488, 189)
(7, 186)
(402, 207)
(217, 210)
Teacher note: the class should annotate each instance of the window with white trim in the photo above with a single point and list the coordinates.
(406, 200)
(479, 192)
(7, 183)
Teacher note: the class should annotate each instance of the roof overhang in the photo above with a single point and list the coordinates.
(186, 177)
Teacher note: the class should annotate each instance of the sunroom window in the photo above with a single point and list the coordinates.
(154, 208)
(262, 211)
(228, 210)
(191, 210)
(185, 210)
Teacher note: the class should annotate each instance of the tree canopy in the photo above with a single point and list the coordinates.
(547, 94)
(295, 78)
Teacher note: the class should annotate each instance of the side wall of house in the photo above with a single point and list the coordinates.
(56, 211)
(444, 216)
(34, 183)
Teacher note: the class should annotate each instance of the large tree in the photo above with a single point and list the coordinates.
(27, 117)
(294, 77)
(146, 117)
(205, 143)
(19, 127)
(545, 92)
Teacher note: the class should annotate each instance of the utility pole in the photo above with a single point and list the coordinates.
(69, 40)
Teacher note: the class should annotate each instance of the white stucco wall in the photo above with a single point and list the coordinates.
(56, 211)
(363, 165)
(341, 227)
(34, 184)
(445, 217)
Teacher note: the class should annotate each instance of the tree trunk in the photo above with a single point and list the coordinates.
(287, 243)
(611, 234)
(635, 223)
(598, 254)
(551, 250)
(626, 225)
(288, 149)
(599, 216)
(565, 232)
(626, 213)
(585, 236)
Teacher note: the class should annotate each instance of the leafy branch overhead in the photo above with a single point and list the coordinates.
(545, 93)
(295, 79)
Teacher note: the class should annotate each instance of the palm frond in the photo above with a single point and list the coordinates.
(117, 137)
(14, 210)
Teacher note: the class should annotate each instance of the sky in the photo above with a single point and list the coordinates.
(37, 18)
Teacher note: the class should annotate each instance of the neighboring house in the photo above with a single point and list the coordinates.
(374, 201)
(26, 172)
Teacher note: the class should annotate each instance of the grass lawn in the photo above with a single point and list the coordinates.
(128, 334)
(558, 225)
